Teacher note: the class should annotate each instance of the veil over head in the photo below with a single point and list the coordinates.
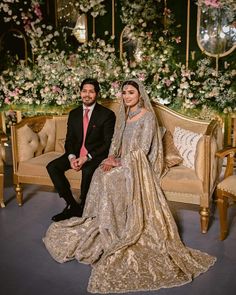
(120, 126)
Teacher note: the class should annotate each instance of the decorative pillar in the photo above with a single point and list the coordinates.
(187, 36)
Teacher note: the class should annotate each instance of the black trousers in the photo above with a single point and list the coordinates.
(56, 170)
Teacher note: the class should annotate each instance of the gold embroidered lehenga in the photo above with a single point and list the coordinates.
(127, 232)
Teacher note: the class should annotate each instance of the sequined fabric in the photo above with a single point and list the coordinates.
(127, 232)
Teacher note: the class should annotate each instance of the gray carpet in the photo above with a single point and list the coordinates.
(26, 268)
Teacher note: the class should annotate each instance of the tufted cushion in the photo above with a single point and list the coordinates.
(228, 185)
(28, 143)
(171, 154)
(186, 142)
(31, 144)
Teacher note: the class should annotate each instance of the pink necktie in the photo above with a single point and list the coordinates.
(83, 150)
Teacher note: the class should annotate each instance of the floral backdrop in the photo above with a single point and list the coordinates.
(53, 75)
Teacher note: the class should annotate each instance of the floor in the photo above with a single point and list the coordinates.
(26, 268)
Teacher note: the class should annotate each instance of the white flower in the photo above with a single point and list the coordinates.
(190, 95)
(184, 85)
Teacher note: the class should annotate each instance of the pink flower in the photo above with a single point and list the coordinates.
(167, 12)
(115, 85)
(27, 28)
(141, 77)
(14, 93)
(213, 3)
(56, 89)
(7, 100)
(178, 39)
(149, 34)
(37, 10)
(194, 101)
(118, 94)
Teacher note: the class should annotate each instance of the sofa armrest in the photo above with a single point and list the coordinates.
(229, 153)
(226, 152)
(207, 165)
(3, 140)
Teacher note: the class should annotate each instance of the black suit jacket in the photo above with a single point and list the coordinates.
(99, 133)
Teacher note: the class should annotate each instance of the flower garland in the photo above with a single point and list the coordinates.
(27, 15)
(228, 7)
(229, 4)
(21, 12)
(78, 7)
(54, 76)
(203, 87)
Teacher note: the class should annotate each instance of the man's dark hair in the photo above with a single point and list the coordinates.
(91, 81)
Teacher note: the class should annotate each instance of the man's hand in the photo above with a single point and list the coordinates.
(81, 161)
(77, 164)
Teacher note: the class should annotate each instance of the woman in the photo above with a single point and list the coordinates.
(127, 231)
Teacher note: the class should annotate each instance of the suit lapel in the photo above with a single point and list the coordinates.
(79, 122)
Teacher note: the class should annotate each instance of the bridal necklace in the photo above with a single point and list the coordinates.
(134, 113)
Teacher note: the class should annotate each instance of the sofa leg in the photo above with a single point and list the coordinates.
(222, 203)
(205, 216)
(19, 194)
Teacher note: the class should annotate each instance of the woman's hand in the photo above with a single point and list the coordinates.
(110, 163)
(106, 167)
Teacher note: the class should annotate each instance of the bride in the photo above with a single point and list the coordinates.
(127, 232)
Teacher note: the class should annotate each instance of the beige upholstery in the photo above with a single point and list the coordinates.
(38, 140)
(226, 189)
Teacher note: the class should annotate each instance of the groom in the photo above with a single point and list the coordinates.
(90, 129)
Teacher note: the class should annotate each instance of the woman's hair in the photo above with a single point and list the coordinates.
(91, 81)
(132, 83)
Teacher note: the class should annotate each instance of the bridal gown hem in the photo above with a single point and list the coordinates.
(127, 232)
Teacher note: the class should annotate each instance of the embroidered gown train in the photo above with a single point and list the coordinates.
(127, 232)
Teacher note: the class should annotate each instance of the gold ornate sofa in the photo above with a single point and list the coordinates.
(38, 140)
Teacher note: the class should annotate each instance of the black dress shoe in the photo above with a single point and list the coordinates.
(74, 211)
(61, 216)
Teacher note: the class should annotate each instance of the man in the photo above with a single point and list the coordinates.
(90, 129)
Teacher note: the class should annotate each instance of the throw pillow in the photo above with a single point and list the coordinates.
(171, 155)
(186, 142)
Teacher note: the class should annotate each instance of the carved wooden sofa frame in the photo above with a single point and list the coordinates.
(38, 140)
